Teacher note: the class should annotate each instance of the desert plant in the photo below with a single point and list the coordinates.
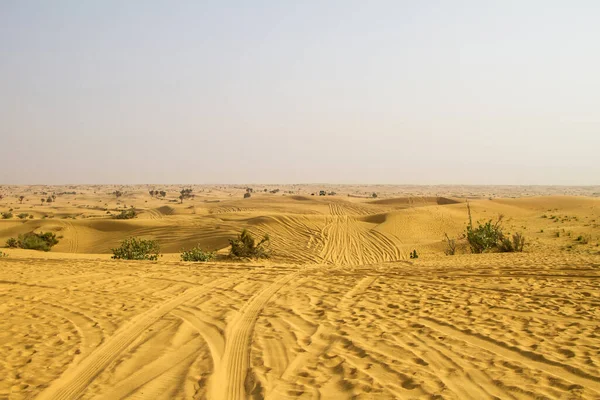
(197, 254)
(21, 198)
(374, 195)
(126, 214)
(49, 200)
(583, 239)
(43, 201)
(245, 246)
(488, 237)
(247, 195)
(413, 254)
(7, 215)
(137, 249)
(3, 254)
(118, 193)
(450, 246)
(22, 215)
(34, 241)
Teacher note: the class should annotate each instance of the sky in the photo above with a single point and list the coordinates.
(396, 92)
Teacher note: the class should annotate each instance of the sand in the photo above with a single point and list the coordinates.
(338, 312)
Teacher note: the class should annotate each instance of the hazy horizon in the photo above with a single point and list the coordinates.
(431, 93)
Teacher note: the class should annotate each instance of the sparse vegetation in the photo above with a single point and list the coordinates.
(583, 239)
(197, 255)
(126, 214)
(413, 254)
(185, 194)
(245, 246)
(450, 246)
(3, 254)
(21, 198)
(137, 249)
(22, 215)
(247, 195)
(488, 237)
(118, 193)
(374, 195)
(34, 241)
(7, 215)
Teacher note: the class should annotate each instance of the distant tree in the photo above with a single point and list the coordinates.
(185, 194)
(1, 197)
(374, 195)
(118, 193)
(49, 200)
(162, 193)
(23, 215)
(43, 201)
(152, 192)
(247, 195)
(21, 198)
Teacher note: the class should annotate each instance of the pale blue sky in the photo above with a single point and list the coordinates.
(431, 92)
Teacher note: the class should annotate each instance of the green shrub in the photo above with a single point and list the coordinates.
(244, 246)
(197, 254)
(488, 237)
(413, 254)
(12, 243)
(23, 215)
(137, 249)
(7, 215)
(37, 241)
(127, 214)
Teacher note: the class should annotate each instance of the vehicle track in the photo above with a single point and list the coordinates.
(228, 381)
(73, 383)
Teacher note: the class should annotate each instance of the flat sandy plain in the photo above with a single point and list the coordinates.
(338, 312)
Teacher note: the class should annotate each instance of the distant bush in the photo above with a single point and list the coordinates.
(197, 254)
(23, 215)
(137, 249)
(3, 254)
(34, 241)
(374, 195)
(583, 239)
(247, 195)
(413, 254)
(126, 214)
(488, 237)
(245, 246)
(7, 215)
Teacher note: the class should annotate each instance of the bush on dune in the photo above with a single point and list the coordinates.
(245, 246)
(197, 255)
(137, 249)
(34, 241)
(127, 214)
(489, 237)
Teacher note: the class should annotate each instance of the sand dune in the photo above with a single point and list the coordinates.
(338, 312)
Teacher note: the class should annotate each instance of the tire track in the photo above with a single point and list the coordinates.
(73, 383)
(228, 381)
(531, 360)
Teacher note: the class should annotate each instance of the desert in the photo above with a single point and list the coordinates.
(339, 309)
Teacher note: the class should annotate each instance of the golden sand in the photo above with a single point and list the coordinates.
(338, 312)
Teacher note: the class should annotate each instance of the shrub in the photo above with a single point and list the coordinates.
(489, 237)
(197, 254)
(244, 246)
(374, 195)
(583, 239)
(127, 214)
(137, 249)
(34, 241)
(7, 215)
(23, 215)
(3, 254)
(413, 254)
(247, 195)
(451, 246)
